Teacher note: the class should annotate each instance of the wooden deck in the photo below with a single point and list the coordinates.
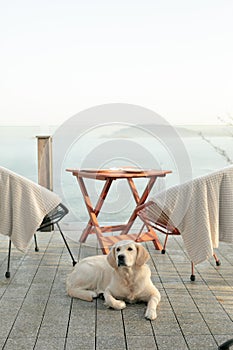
(37, 314)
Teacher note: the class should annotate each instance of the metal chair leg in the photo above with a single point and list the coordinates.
(218, 262)
(163, 251)
(67, 246)
(52, 218)
(192, 277)
(8, 274)
(226, 345)
(36, 245)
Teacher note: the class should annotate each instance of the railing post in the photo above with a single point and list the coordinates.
(45, 170)
(44, 147)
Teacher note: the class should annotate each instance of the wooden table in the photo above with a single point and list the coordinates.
(108, 176)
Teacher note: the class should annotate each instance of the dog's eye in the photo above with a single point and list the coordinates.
(118, 249)
(130, 248)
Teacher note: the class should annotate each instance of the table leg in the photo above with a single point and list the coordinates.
(134, 190)
(93, 213)
(141, 200)
(138, 200)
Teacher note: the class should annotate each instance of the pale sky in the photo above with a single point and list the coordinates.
(59, 57)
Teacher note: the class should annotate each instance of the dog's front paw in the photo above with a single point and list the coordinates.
(119, 305)
(116, 305)
(93, 295)
(151, 314)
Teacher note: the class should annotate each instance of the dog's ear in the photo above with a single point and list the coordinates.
(142, 255)
(111, 258)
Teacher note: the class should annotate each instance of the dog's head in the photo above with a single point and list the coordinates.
(128, 254)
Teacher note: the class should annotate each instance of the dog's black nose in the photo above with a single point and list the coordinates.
(121, 259)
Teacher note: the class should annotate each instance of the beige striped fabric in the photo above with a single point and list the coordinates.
(23, 205)
(202, 210)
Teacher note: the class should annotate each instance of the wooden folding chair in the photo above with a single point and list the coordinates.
(52, 218)
(151, 214)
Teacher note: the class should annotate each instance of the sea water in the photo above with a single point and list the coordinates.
(116, 148)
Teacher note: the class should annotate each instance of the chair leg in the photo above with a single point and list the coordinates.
(36, 245)
(218, 262)
(71, 255)
(192, 277)
(163, 251)
(8, 274)
(226, 345)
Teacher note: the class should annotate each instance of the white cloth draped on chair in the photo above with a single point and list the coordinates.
(202, 210)
(23, 206)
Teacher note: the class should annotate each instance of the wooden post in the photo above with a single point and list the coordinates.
(45, 171)
(45, 176)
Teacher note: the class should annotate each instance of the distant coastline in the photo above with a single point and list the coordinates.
(185, 130)
(220, 130)
(182, 130)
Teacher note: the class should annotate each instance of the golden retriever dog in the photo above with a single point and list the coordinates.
(122, 276)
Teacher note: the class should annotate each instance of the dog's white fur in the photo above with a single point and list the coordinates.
(124, 278)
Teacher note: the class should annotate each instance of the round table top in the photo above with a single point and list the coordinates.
(118, 173)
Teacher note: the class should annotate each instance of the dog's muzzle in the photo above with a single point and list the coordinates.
(121, 260)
